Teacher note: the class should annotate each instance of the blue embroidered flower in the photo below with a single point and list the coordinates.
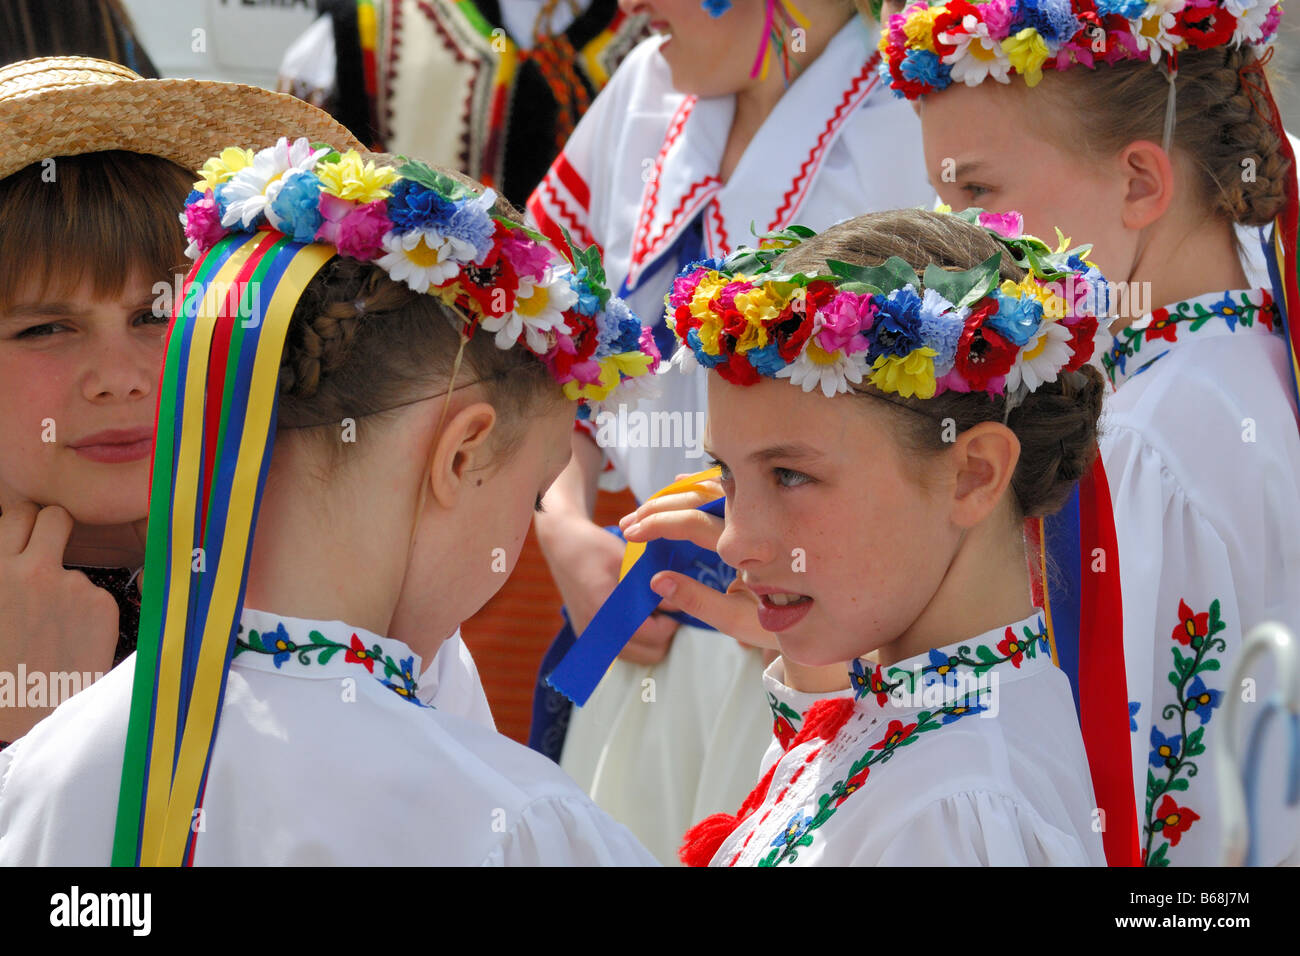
(716, 8)
(1164, 750)
(767, 360)
(1118, 355)
(296, 207)
(897, 330)
(1229, 308)
(922, 66)
(413, 206)
(1016, 320)
(279, 643)
(941, 668)
(1133, 707)
(796, 828)
(860, 679)
(1202, 699)
(964, 707)
(588, 302)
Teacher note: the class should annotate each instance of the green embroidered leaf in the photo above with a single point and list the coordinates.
(1158, 858)
(893, 275)
(255, 641)
(1178, 783)
(1174, 679)
(1216, 623)
(965, 287)
(1154, 789)
(1194, 747)
(1181, 664)
(328, 652)
(788, 712)
(1209, 664)
(985, 653)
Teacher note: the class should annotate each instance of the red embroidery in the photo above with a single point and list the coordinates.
(537, 208)
(853, 96)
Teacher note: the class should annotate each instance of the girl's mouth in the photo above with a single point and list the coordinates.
(781, 610)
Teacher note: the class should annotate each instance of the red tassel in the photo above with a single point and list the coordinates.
(702, 841)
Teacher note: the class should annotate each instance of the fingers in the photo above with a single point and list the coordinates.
(694, 526)
(683, 500)
(734, 613)
(16, 526)
(50, 533)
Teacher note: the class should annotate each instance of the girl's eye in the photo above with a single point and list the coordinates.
(974, 191)
(39, 331)
(788, 478)
(150, 317)
(537, 505)
(725, 477)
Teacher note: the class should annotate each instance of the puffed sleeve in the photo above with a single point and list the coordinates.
(1182, 635)
(981, 828)
(568, 831)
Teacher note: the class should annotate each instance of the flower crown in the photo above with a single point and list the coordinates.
(967, 331)
(928, 48)
(439, 237)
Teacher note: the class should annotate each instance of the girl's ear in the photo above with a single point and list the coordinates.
(1149, 176)
(984, 460)
(460, 450)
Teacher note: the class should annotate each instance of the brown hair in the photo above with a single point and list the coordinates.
(97, 215)
(1216, 125)
(1056, 424)
(360, 343)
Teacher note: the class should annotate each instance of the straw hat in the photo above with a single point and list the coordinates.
(68, 105)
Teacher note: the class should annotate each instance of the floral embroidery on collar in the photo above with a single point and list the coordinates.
(397, 675)
(1138, 347)
(953, 670)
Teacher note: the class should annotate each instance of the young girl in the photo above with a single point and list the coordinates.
(89, 248)
(391, 397)
(875, 515)
(1200, 446)
(739, 116)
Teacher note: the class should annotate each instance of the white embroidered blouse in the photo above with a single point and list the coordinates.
(325, 755)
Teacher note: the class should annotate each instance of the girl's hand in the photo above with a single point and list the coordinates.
(51, 620)
(676, 518)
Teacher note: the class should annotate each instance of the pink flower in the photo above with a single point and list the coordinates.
(1271, 20)
(727, 297)
(997, 16)
(647, 345)
(529, 258)
(842, 319)
(356, 231)
(897, 38)
(203, 223)
(1008, 225)
(684, 288)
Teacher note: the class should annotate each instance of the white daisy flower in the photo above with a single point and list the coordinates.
(977, 55)
(250, 192)
(423, 258)
(1041, 358)
(539, 308)
(831, 371)
(683, 360)
(1151, 35)
(1250, 16)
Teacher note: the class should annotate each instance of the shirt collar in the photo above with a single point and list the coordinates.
(1135, 349)
(775, 174)
(958, 678)
(329, 650)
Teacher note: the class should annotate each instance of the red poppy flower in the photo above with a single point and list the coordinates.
(895, 734)
(1190, 625)
(791, 330)
(879, 687)
(1161, 327)
(1204, 26)
(982, 354)
(949, 21)
(357, 654)
(1174, 820)
(1012, 648)
(1082, 337)
(853, 784)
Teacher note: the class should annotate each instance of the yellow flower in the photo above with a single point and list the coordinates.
(356, 180)
(631, 364)
(908, 375)
(919, 29)
(598, 391)
(705, 292)
(942, 207)
(1030, 288)
(757, 307)
(1027, 52)
(220, 168)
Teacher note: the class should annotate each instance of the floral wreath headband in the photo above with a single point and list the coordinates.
(928, 48)
(440, 237)
(962, 331)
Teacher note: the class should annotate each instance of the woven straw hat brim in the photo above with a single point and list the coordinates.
(50, 108)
